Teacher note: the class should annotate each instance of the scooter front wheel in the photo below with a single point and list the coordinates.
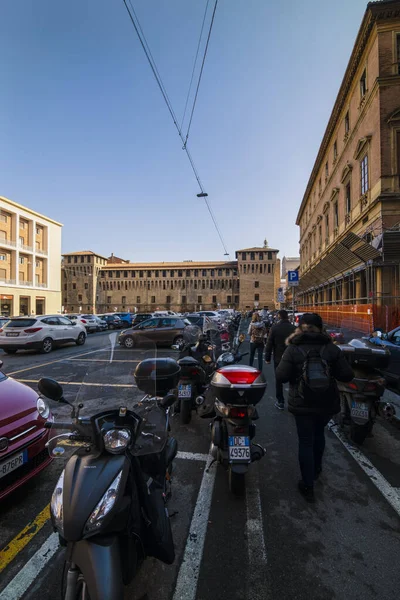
(185, 411)
(237, 483)
(358, 433)
(75, 585)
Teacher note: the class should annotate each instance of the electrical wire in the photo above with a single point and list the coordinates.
(163, 91)
(201, 71)
(195, 63)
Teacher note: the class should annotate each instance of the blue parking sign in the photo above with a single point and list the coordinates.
(293, 277)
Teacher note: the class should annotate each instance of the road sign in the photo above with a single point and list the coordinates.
(280, 290)
(293, 278)
(281, 297)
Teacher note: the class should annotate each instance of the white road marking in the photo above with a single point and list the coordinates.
(188, 576)
(102, 360)
(193, 456)
(27, 575)
(52, 362)
(257, 553)
(390, 493)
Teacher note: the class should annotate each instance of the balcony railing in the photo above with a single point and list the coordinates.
(25, 283)
(41, 285)
(8, 243)
(41, 251)
(7, 281)
(25, 247)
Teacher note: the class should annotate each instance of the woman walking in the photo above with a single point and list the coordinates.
(257, 332)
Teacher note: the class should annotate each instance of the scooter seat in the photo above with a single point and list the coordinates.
(188, 361)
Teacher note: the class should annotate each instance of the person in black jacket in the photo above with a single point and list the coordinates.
(311, 419)
(276, 345)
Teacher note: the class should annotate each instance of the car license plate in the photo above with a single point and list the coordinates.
(12, 334)
(239, 448)
(360, 410)
(184, 390)
(12, 463)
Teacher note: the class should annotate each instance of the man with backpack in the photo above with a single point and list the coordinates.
(276, 345)
(311, 364)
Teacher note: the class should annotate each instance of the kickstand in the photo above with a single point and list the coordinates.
(211, 464)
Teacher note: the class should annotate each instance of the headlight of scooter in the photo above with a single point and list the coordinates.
(42, 408)
(117, 440)
(56, 505)
(105, 505)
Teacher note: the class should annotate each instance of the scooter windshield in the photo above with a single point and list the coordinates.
(103, 384)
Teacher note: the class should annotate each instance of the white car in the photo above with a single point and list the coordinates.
(41, 333)
(212, 314)
(88, 321)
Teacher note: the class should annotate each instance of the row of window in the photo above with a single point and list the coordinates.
(255, 268)
(194, 284)
(252, 255)
(5, 217)
(81, 259)
(164, 273)
(168, 300)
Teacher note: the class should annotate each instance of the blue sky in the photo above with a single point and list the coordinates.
(87, 139)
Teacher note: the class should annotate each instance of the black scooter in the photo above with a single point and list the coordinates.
(109, 505)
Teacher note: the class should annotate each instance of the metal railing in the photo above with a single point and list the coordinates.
(25, 283)
(7, 281)
(4, 242)
(41, 285)
(27, 248)
(42, 252)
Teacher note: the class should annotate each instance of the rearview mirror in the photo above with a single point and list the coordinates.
(50, 388)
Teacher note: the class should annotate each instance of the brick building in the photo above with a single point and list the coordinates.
(349, 217)
(93, 283)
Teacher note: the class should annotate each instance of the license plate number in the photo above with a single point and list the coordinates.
(184, 390)
(13, 463)
(239, 448)
(12, 334)
(360, 410)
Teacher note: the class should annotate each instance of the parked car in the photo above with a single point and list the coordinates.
(23, 452)
(101, 323)
(3, 321)
(125, 317)
(88, 321)
(140, 317)
(391, 341)
(113, 321)
(199, 320)
(161, 330)
(41, 333)
(213, 314)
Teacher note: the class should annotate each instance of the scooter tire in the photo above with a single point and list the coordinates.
(185, 412)
(358, 433)
(237, 483)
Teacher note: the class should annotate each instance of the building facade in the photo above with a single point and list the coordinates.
(30, 254)
(93, 283)
(349, 217)
(289, 263)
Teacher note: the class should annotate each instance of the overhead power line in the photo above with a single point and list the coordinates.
(151, 61)
(201, 71)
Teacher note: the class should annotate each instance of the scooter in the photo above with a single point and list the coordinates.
(109, 504)
(361, 399)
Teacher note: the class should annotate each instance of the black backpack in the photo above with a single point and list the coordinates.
(316, 383)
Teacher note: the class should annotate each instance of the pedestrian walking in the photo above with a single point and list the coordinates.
(257, 332)
(311, 364)
(276, 346)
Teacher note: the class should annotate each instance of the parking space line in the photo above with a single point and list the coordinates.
(188, 576)
(103, 360)
(53, 362)
(10, 551)
(27, 575)
(255, 539)
(390, 493)
(86, 383)
(192, 456)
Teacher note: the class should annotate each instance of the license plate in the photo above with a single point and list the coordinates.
(239, 448)
(184, 390)
(12, 334)
(360, 410)
(13, 463)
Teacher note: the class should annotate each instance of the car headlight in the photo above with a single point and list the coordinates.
(42, 408)
(117, 440)
(105, 505)
(56, 505)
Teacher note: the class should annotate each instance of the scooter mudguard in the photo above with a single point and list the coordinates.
(239, 468)
(100, 565)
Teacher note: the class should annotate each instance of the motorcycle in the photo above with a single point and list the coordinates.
(197, 361)
(109, 506)
(361, 399)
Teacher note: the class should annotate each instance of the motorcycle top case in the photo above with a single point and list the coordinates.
(238, 384)
(361, 354)
(157, 376)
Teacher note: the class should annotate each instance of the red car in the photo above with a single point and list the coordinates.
(22, 434)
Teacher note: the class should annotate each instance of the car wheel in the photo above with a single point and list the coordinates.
(178, 340)
(129, 342)
(47, 346)
(81, 339)
(9, 350)
(111, 326)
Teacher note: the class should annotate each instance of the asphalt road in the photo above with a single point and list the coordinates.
(270, 544)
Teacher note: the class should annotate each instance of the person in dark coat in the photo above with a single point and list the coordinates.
(276, 345)
(311, 419)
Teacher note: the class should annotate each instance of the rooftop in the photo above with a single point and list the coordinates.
(29, 210)
(84, 253)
